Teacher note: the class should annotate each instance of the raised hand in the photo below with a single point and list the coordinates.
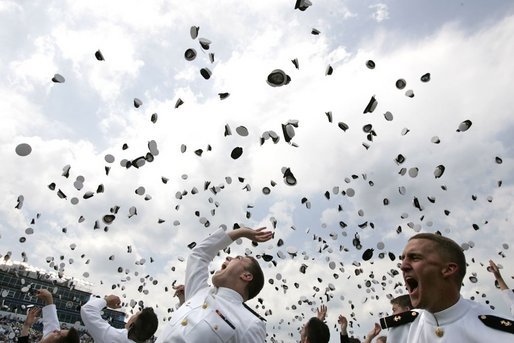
(179, 293)
(32, 317)
(45, 296)
(321, 312)
(258, 235)
(113, 301)
(375, 331)
(493, 268)
(343, 323)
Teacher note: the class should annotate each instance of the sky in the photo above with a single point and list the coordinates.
(83, 131)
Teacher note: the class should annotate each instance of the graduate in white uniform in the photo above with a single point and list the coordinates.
(140, 327)
(52, 332)
(507, 293)
(218, 313)
(433, 268)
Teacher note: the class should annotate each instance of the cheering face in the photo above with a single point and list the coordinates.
(231, 269)
(422, 268)
(54, 336)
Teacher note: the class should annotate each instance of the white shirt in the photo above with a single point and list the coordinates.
(460, 323)
(97, 327)
(211, 314)
(50, 320)
(508, 296)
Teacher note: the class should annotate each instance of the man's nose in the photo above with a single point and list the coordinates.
(229, 258)
(404, 265)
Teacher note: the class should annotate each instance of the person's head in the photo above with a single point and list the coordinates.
(242, 274)
(142, 325)
(433, 268)
(401, 304)
(381, 339)
(315, 331)
(62, 336)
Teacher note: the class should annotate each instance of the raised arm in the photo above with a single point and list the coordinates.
(373, 333)
(493, 268)
(50, 321)
(96, 326)
(179, 293)
(343, 323)
(197, 270)
(258, 235)
(32, 317)
(321, 312)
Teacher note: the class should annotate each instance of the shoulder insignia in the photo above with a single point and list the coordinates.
(398, 319)
(497, 323)
(253, 312)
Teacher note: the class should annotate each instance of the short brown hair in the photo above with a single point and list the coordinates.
(257, 282)
(448, 249)
(144, 326)
(402, 301)
(71, 337)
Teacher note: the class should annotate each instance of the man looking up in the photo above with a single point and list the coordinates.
(140, 327)
(218, 313)
(52, 332)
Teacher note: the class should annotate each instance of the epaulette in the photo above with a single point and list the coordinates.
(398, 319)
(497, 323)
(254, 313)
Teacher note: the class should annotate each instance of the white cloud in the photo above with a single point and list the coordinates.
(381, 12)
(144, 46)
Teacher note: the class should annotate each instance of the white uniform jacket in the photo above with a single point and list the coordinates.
(50, 321)
(458, 323)
(97, 327)
(211, 314)
(508, 296)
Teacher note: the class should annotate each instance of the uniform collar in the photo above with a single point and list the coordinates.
(448, 315)
(227, 293)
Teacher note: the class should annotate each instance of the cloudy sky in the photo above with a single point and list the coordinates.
(88, 127)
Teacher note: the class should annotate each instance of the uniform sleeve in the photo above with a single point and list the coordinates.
(256, 333)
(96, 326)
(50, 321)
(508, 296)
(197, 269)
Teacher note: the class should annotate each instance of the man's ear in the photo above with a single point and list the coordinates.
(247, 276)
(450, 269)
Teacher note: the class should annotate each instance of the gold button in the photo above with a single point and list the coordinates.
(215, 327)
(184, 322)
(205, 305)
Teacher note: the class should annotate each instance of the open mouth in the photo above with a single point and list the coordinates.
(411, 284)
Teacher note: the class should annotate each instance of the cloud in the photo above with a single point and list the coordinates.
(381, 12)
(91, 115)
